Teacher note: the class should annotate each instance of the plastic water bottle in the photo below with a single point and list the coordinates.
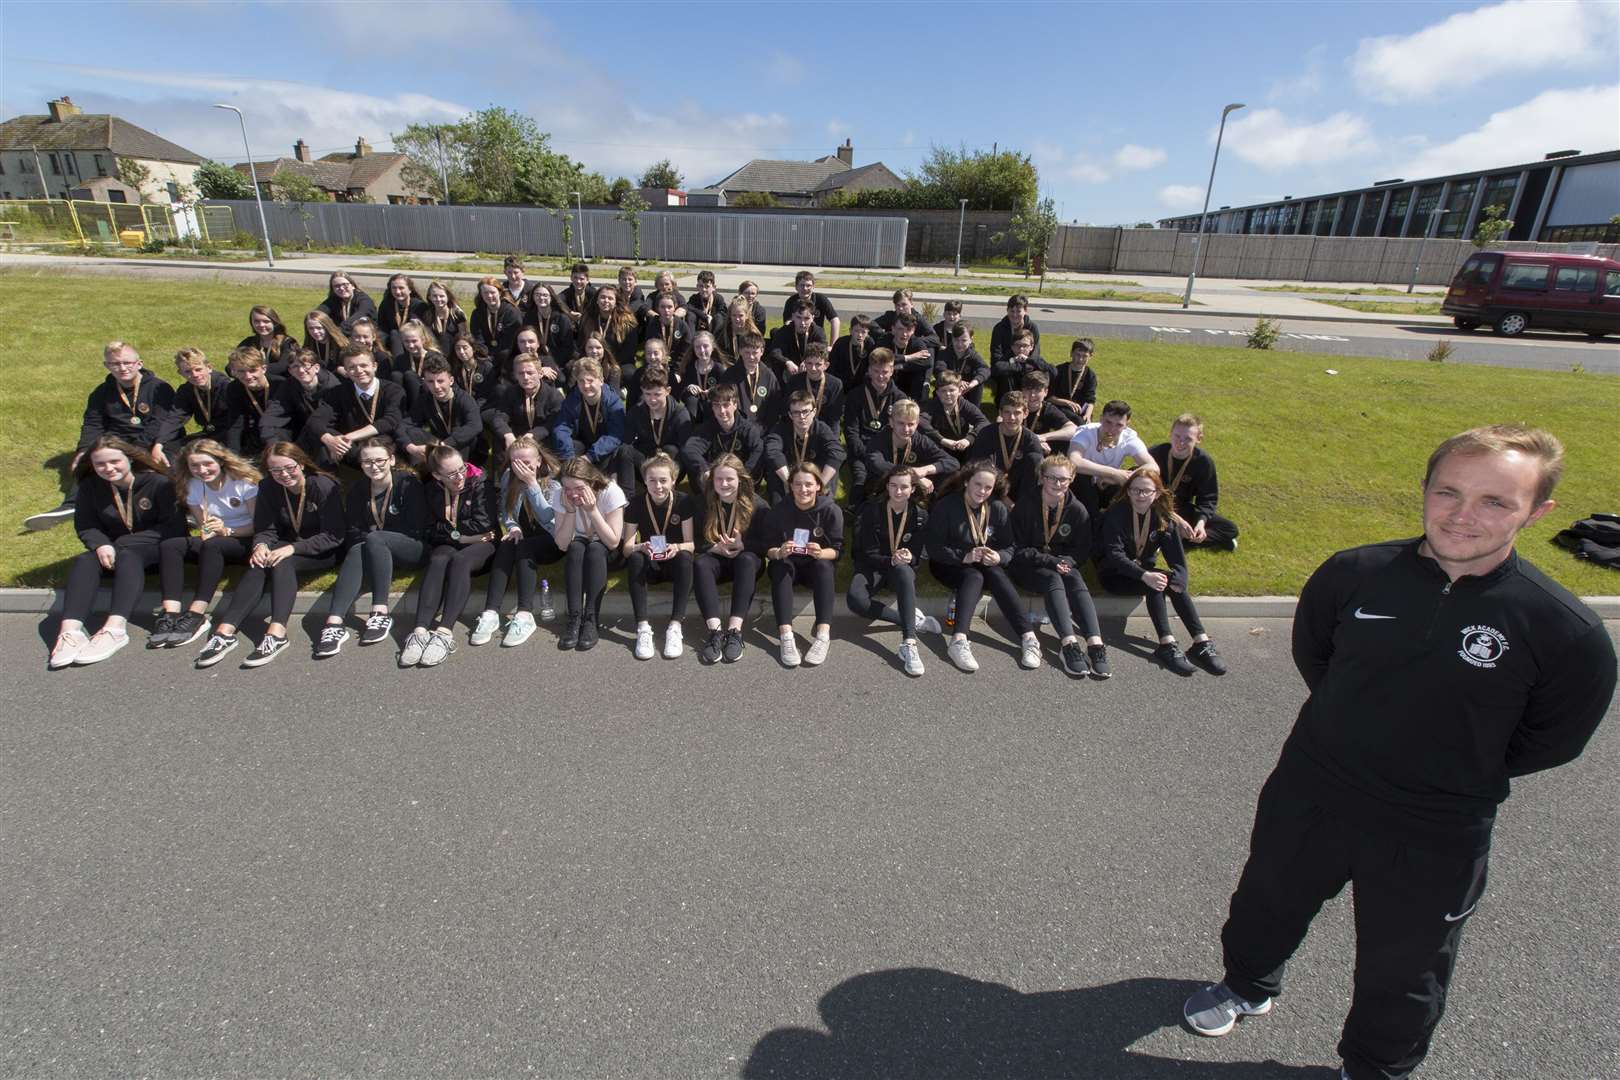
(950, 616)
(547, 612)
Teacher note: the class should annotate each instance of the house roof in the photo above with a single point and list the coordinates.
(792, 177)
(91, 131)
(329, 176)
(849, 176)
(366, 168)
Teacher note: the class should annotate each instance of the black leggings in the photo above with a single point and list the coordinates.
(1066, 596)
(1181, 601)
(525, 556)
(969, 581)
(283, 587)
(872, 579)
(448, 577)
(135, 557)
(585, 570)
(211, 556)
(1219, 531)
(711, 569)
(798, 570)
(374, 557)
(641, 571)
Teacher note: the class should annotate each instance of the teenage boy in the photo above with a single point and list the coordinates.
(826, 389)
(949, 418)
(1011, 324)
(1189, 474)
(657, 424)
(866, 412)
(826, 316)
(903, 306)
(704, 308)
(1074, 385)
(365, 332)
(905, 445)
(1046, 420)
(201, 398)
(579, 297)
(442, 413)
(789, 341)
(759, 392)
(528, 405)
(590, 423)
(1099, 452)
(282, 411)
(1010, 370)
(1013, 447)
(847, 360)
(356, 410)
(959, 357)
(953, 317)
(724, 431)
(518, 290)
(913, 356)
(801, 437)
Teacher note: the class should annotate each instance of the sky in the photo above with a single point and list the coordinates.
(1117, 104)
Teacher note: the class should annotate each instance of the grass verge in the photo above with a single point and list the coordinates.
(1051, 292)
(485, 263)
(1366, 291)
(1385, 307)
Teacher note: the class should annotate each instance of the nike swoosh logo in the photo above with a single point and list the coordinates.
(1464, 914)
(1368, 615)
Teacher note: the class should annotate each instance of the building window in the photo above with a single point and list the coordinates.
(1458, 203)
(1499, 192)
(101, 165)
(56, 165)
(1367, 223)
(1396, 217)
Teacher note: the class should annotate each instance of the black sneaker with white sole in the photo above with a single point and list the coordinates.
(269, 648)
(1073, 656)
(1204, 655)
(190, 626)
(1098, 656)
(162, 635)
(332, 638)
(378, 626)
(215, 650)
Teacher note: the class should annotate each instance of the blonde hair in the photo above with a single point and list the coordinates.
(1534, 443)
(188, 356)
(711, 501)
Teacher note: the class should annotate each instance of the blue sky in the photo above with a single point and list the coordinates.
(1118, 104)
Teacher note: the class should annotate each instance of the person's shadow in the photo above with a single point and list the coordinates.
(927, 1024)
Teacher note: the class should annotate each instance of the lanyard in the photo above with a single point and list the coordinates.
(296, 512)
(444, 414)
(652, 515)
(896, 531)
(978, 523)
(204, 397)
(1140, 530)
(132, 399)
(657, 423)
(126, 510)
(379, 507)
(801, 449)
(1006, 451)
(452, 512)
(901, 456)
(1050, 524)
(1177, 474)
(369, 404)
(253, 401)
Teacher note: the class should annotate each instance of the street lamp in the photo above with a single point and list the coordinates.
(578, 201)
(961, 219)
(1198, 244)
(269, 256)
(1435, 214)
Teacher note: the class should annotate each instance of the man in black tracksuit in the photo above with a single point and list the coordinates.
(1439, 668)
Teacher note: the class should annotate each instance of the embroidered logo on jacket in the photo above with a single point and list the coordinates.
(1482, 646)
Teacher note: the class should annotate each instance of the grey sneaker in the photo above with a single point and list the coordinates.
(519, 628)
(961, 654)
(927, 624)
(645, 649)
(440, 645)
(484, 632)
(1030, 657)
(731, 646)
(102, 644)
(911, 659)
(49, 519)
(188, 627)
(673, 642)
(162, 635)
(411, 654)
(1215, 1010)
(790, 650)
(816, 654)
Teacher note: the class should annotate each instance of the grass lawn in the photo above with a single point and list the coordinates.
(1053, 292)
(1387, 307)
(1368, 291)
(1015, 281)
(1310, 462)
(485, 263)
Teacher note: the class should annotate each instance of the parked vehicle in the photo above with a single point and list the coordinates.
(1515, 291)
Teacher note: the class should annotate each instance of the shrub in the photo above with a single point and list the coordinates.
(1441, 352)
(1264, 333)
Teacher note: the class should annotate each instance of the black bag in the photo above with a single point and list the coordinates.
(1596, 539)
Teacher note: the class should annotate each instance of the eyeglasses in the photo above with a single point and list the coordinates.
(1143, 493)
(373, 463)
(452, 474)
(800, 414)
(285, 470)
(1056, 478)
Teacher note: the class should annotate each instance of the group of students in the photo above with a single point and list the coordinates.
(600, 427)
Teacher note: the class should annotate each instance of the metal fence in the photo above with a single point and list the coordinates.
(82, 223)
(666, 235)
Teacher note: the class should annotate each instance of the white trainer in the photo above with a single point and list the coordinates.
(817, 652)
(1030, 658)
(103, 644)
(644, 641)
(961, 654)
(790, 650)
(673, 646)
(519, 628)
(911, 659)
(484, 631)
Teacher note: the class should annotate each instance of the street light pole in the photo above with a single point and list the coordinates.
(269, 256)
(578, 202)
(961, 219)
(1428, 232)
(1198, 244)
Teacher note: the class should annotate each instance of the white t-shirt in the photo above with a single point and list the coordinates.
(229, 503)
(609, 499)
(1130, 445)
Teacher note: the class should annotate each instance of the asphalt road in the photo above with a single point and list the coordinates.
(838, 873)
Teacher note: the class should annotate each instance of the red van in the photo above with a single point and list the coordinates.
(1515, 291)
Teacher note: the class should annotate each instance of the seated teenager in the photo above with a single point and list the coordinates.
(913, 356)
(1015, 322)
(128, 404)
(970, 545)
(444, 413)
(630, 293)
(298, 527)
(616, 328)
(723, 433)
(739, 323)
(704, 308)
(386, 514)
(758, 388)
(1021, 359)
(846, 359)
(363, 332)
(527, 405)
(952, 421)
(889, 547)
(658, 547)
(556, 332)
(866, 413)
(588, 528)
(728, 510)
(800, 539)
(958, 356)
(1189, 473)
(653, 355)
(800, 439)
(323, 337)
(405, 367)
(270, 337)
(283, 412)
(788, 342)
(346, 302)
(528, 517)
(664, 285)
(1047, 421)
(462, 513)
(657, 424)
(1100, 453)
(748, 291)
(528, 341)
(473, 371)
(698, 373)
(663, 325)
(1052, 538)
(1074, 386)
(494, 322)
(401, 304)
(825, 390)
(357, 409)
(903, 305)
(1136, 529)
(947, 325)
(1012, 448)
(201, 399)
(906, 445)
(125, 510)
(518, 289)
(590, 423)
(826, 316)
(444, 318)
(220, 490)
(579, 297)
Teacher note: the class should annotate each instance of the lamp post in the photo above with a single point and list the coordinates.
(1198, 244)
(579, 202)
(269, 256)
(1434, 215)
(961, 219)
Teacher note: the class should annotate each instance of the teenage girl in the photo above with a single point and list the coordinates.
(801, 538)
(126, 508)
(387, 526)
(401, 304)
(297, 528)
(270, 337)
(220, 490)
(700, 371)
(617, 326)
(322, 336)
(495, 322)
(1052, 535)
(659, 547)
(888, 549)
(462, 513)
(1138, 526)
(527, 516)
(346, 302)
(588, 528)
(728, 509)
(970, 545)
(444, 317)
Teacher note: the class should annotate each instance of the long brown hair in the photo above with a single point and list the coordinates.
(622, 322)
(548, 468)
(711, 501)
(278, 330)
(294, 451)
(139, 460)
(336, 339)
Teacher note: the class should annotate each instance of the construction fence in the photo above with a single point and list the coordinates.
(81, 223)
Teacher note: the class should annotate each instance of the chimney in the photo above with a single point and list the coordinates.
(62, 108)
(361, 147)
(846, 154)
(301, 150)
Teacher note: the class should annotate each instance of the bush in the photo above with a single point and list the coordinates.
(154, 245)
(1264, 334)
(1441, 352)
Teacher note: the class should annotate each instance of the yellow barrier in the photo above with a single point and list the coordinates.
(82, 223)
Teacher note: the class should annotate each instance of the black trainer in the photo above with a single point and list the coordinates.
(1074, 660)
(731, 646)
(333, 635)
(1204, 655)
(215, 650)
(379, 625)
(190, 626)
(1170, 655)
(162, 636)
(570, 634)
(587, 634)
(1098, 655)
(269, 648)
(709, 651)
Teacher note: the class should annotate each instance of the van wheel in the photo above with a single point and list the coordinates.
(1465, 324)
(1512, 324)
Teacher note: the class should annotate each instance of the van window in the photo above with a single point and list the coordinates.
(1477, 270)
(1525, 276)
(1576, 279)
(1611, 283)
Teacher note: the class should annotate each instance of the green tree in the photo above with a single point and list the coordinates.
(217, 181)
(663, 175)
(621, 187)
(631, 207)
(1035, 228)
(1493, 227)
(758, 200)
(998, 180)
(495, 156)
(133, 174)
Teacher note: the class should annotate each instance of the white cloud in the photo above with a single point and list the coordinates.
(1268, 139)
(1181, 196)
(1131, 157)
(1307, 83)
(1087, 173)
(1473, 46)
(1585, 119)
